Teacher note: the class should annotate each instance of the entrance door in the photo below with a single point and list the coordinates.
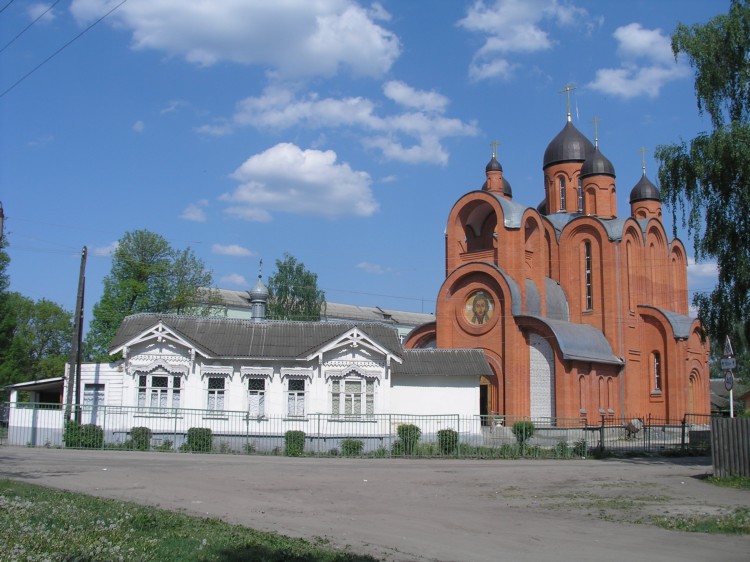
(484, 397)
(541, 378)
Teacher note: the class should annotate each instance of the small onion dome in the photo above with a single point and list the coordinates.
(597, 165)
(493, 165)
(259, 292)
(507, 189)
(644, 190)
(569, 145)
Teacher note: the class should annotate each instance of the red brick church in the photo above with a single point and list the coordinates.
(581, 313)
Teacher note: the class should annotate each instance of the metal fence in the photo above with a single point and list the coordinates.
(379, 435)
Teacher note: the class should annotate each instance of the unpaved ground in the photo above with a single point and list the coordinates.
(398, 510)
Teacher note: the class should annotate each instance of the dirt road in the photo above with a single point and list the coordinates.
(401, 510)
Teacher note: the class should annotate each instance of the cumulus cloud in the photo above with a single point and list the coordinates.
(195, 211)
(372, 268)
(41, 13)
(702, 277)
(294, 38)
(514, 27)
(234, 279)
(647, 64)
(412, 136)
(105, 251)
(231, 250)
(288, 179)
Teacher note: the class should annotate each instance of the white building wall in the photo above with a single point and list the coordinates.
(435, 395)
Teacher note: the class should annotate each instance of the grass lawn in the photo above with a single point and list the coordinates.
(38, 523)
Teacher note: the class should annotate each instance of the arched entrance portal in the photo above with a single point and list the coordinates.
(541, 378)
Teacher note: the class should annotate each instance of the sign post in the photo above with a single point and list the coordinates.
(728, 363)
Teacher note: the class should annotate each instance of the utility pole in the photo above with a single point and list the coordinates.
(74, 369)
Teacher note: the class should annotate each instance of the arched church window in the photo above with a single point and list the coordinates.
(580, 195)
(587, 277)
(656, 366)
(562, 193)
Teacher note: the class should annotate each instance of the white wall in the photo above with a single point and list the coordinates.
(435, 395)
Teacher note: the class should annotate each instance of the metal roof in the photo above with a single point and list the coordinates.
(466, 362)
(581, 342)
(232, 337)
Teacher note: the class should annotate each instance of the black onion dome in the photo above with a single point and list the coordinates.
(259, 292)
(569, 145)
(493, 166)
(507, 189)
(597, 165)
(644, 190)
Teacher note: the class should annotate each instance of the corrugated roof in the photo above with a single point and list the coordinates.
(468, 362)
(232, 337)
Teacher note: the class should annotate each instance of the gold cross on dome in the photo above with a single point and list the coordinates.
(568, 88)
(494, 144)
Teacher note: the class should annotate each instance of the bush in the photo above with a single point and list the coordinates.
(409, 435)
(352, 447)
(580, 448)
(199, 440)
(447, 441)
(141, 438)
(294, 443)
(523, 430)
(83, 436)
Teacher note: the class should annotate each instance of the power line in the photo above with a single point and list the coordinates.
(3, 8)
(58, 51)
(40, 16)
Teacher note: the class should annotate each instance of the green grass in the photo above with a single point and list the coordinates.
(739, 482)
(38, 523)
(735, 523)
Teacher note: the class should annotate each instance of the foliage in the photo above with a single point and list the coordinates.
(523, 430)
(39, 523)
(293, 292)
(352, 447)
(148, 275)
(199, 440)
(83, 436)
(141, 438)
(739, 482)
(408, 437)
(707, 180)
(294, 443)
(447, 441)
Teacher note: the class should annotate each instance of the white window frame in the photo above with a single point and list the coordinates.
(216, 397)
(159, 397)
(256, 373)
(94, 394)
(297, 399)
(260, 406)
(347, 402)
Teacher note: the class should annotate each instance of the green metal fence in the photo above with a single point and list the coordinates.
(380, 435)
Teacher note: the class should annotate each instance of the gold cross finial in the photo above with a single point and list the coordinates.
(568, 88)
(260, 269)
(595, 121)
(643, 159)
(494, 144)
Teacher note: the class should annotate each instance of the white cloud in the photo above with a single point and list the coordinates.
(174, 105)
(647, 64)
(413, 137)
(138, 126)
(407, 96)
(195, 211)
(514, 26)
(234, 279)
(293, 37)
(105, 251)
(702, 277)
(372, 268)
(288, 179)
(231, 250)
(41, 12)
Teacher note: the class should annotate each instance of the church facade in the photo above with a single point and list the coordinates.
(581, 313)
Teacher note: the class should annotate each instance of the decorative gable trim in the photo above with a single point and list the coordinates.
(341, 371)
(149, 368)
(161, 333)
(297, 374)
(354, 338)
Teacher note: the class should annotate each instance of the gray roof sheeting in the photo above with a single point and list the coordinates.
(467, 362)
(581, 342)
(681, 324)
(231, 337)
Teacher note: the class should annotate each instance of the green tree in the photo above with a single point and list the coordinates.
(293, 292)
(708, 180)
(148, 275)
(8, 354)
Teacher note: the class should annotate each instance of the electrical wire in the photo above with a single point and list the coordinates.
(25, 29)
(58, 51)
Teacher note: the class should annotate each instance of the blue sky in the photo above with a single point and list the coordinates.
(340, 132)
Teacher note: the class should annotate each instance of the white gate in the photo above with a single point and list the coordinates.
(541, 377)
